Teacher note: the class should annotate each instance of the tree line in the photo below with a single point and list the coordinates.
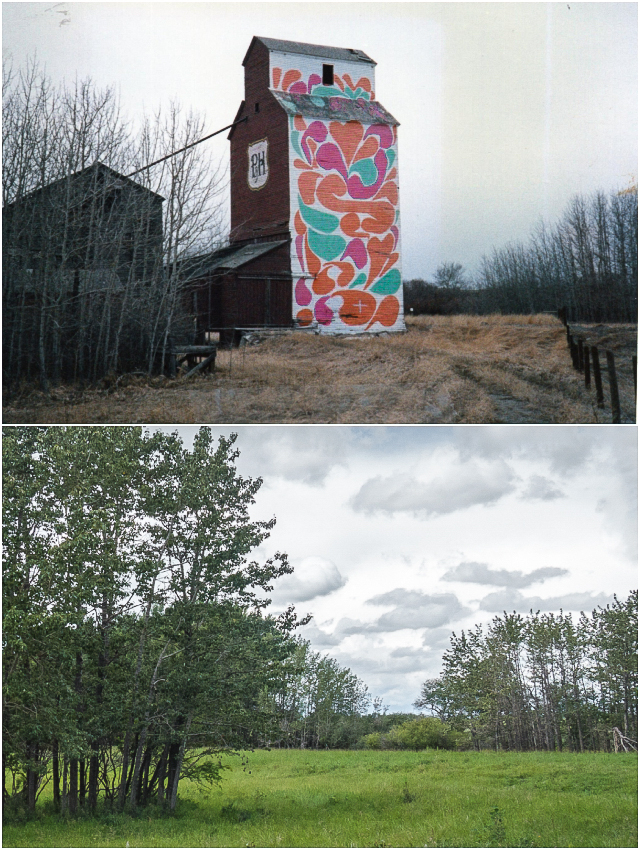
(542, 682)
(586, 262)
(92, 280)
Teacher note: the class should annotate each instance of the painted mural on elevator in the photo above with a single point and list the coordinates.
(346, 225)
(344, 215)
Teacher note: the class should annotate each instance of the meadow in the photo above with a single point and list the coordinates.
(335, 798)
(444, 369)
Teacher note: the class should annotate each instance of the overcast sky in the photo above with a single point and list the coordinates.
(507, 109)
(400, 535)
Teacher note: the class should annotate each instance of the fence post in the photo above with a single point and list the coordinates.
(574, 353)
(580, 355)
(613, 387)
(587, 367)
(597, 375)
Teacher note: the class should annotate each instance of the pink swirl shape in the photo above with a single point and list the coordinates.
(323, 314)
(316, 131)
(298, 88)
(330, 158)
(304, 295)
(357, 251)
(383, 132)
(356, 187)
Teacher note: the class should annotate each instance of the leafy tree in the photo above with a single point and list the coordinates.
(542, 681)
(422, 734)
(318, 701)
(135, 640)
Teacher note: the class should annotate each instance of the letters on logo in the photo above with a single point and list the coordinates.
(258, 173)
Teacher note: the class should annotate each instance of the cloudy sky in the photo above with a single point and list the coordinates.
(507, 109)
(401, 535)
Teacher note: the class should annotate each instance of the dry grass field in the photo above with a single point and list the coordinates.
(457, 369)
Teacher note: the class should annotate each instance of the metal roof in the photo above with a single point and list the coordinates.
(229, 258)
(334, 108)
(117, 181)
(339, 53)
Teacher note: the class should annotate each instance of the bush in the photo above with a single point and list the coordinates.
(422, 734)
(373, 741)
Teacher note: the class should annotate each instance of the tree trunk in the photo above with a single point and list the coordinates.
(127, 784)
(65, 789)
(176, 778)
(73, 786)
(93, 779)
(56, 776)
(172, 761)
(161, 771)
(32, 777)
(82, 787)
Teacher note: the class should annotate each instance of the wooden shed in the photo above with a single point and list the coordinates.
(240, 288)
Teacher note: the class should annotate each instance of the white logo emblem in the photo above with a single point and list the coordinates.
(258, 173)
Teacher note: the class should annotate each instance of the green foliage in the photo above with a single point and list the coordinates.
(132, 613)
(419, 733)
(423, 733)
(542, 681)
(318, 703)
(374, 741)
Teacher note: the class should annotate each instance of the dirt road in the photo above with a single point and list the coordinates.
(459, 369)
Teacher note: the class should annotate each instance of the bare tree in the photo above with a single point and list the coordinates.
(450, 276)
(193, 186)
(91, 260)
(587, 262)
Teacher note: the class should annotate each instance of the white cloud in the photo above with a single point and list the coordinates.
(318, 638)
(391, 620)
(311, 578)
(539, 487)
(464, 486)
(477, 573)
(513, 600)
(415, 610)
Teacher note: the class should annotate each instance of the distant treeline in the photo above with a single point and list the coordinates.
(587, 262)
(542, 682)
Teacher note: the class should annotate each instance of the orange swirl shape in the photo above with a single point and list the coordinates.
(381, 257)
(361, 308)
(379, 214)
(324, 283)
(290, 78)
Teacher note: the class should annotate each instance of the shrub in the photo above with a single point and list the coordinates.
(373, 741)
(423, 733)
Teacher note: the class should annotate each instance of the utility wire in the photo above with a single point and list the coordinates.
(186, 147)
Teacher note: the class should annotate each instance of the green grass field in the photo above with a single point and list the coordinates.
(303, 798)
